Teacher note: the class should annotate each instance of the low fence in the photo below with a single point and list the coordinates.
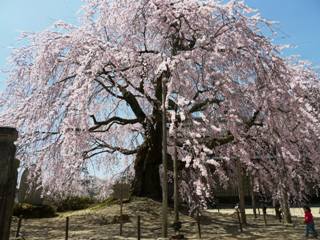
(138, 227)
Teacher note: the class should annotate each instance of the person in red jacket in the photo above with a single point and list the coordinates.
(308, 220)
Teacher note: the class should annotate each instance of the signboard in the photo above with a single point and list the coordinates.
(121, 191)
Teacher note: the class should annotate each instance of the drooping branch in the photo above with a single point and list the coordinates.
(67, 78)
(107, 148)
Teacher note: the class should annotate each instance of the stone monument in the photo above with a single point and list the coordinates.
(8, 178)
(30, 192)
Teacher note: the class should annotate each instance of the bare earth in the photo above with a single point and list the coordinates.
(91, 224)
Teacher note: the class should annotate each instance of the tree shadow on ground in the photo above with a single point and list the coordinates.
(222, 226)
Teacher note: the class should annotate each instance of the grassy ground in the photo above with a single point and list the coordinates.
(90, 224)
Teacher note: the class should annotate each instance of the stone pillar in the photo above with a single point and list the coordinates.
(8, 178)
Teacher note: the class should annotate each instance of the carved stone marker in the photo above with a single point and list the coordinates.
(8, 178)
(29, 192)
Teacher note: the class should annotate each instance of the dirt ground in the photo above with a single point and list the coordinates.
(91, 224)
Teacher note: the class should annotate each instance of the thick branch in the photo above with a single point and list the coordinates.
(133, 103)
(107, 148)
(252, 121)
(127, 96)
(214, 142)
(108, 88)
(199, 106)
(109, 122)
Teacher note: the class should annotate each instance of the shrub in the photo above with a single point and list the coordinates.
(74, 203)
(26, 210)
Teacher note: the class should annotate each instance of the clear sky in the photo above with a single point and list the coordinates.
(299, 22)
(17, 16)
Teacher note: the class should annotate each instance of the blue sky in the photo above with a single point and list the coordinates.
(298, 19)
(30, 15)
(298, 24)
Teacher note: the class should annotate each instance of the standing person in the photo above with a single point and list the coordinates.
(308, 220)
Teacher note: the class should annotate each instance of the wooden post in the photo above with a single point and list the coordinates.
(198, 224)
(18, 227)
(164, 164)
(239, 219)
(241, 193)
(121, 205)
(138, 228)
(67, 228)
(8, 178)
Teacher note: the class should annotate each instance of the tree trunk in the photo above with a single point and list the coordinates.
(147, 162)
(241, 193)
(147, 179)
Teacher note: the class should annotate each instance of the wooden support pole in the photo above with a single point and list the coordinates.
(121, 206)
(253, 197)
(241, 193)
(18, 227)
(264, 210)
(283, 190)
(285, 207)
(175, 179)
(138, 227)
(265, 219)
(164, 163)
(199, 224)
(67, 228)
(239, 219)
(278, 211)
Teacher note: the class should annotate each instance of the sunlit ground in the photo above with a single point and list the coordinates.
(214, 225)
(296, 212)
